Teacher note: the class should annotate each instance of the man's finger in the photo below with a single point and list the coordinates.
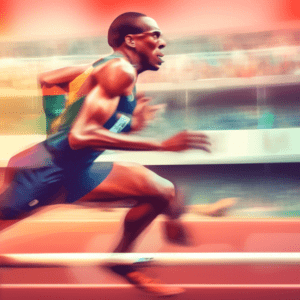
(201, 147)
(197, 134)
(199, 139)
(157, 107)
(144, 100)
(139, 95)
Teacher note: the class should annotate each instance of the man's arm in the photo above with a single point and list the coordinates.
(144, 113)
(55, 86)
(61, 76)
(115, 79)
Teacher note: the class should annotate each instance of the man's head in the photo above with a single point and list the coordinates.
(141, 35)
(127, 23)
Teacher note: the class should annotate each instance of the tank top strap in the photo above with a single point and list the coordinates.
(76, 84)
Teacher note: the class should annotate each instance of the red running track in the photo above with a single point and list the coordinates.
(72, 229)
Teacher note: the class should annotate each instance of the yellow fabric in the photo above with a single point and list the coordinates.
(73, 96)
(75, 86)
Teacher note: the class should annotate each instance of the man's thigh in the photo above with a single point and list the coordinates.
(129, 180)
(28, 190)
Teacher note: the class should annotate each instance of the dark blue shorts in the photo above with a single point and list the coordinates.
(37, 180)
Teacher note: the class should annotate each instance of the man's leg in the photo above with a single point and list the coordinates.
(153, 194)
(217, 209)
(25, 189)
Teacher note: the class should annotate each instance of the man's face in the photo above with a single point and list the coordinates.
(149, 45)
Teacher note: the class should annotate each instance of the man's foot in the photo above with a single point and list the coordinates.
(176, 233)
(144, 282)
(217, 209)
(152, 286)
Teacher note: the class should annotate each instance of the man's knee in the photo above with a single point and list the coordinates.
(166, 193)
(168, 190)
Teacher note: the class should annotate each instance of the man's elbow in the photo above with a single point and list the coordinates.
(76, 140)
(41, 79)
(45, 79)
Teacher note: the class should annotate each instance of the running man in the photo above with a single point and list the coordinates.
(100, 110)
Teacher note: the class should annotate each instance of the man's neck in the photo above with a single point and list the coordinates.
(131, 57)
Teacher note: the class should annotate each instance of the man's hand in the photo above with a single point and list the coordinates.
(144, 113)
(185, 140)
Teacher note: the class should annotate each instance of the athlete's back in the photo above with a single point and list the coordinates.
(116, 120)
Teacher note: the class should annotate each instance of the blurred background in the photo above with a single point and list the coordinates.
(229, 65)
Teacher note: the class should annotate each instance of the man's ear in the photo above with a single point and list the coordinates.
(129, 40)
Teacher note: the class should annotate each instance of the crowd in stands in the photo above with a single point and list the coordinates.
(187, 59)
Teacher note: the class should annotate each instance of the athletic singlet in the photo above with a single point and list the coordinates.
(57, 144)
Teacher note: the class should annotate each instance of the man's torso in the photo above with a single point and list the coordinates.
(57, 142)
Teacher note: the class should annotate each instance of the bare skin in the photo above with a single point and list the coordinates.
(217, 209)
(103, 89)
(105, 86)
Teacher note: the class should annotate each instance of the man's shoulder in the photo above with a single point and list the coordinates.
(116, 67)
(62, 75)
(115, 76)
